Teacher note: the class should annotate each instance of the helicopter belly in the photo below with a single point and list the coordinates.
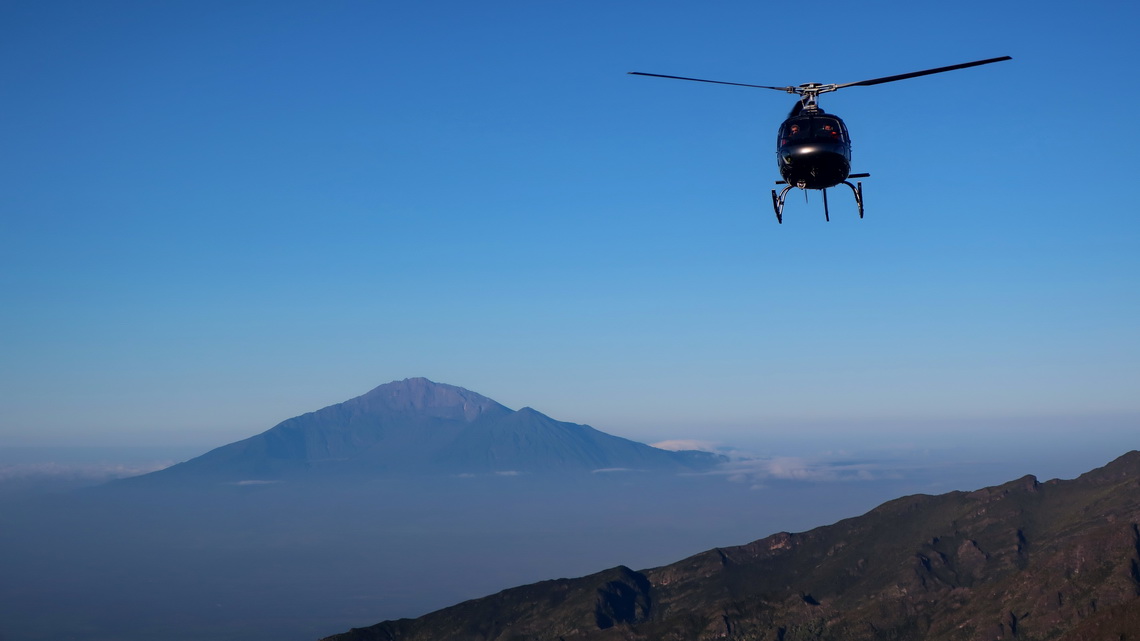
(814, 166)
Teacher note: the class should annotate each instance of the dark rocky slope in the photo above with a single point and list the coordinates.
(1058, 560)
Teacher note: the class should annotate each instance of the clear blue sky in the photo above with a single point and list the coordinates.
(218, 215)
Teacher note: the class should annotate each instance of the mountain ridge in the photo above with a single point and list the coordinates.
(1057, 560)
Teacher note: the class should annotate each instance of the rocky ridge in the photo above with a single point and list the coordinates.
(1056, 561)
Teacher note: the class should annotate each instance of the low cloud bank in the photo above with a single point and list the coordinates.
(836, 466)
(79, 470)
(794, 468)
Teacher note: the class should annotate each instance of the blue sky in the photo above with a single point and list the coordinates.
(218, 215)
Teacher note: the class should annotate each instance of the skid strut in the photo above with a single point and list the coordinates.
(779, 199)
(778, 202)
(857, 189)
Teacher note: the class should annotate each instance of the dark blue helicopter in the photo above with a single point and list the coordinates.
(813, 148)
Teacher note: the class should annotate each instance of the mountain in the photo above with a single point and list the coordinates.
(1058, 560)
(418, 427)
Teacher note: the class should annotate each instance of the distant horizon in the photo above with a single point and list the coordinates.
(628, 424)
(971, 444)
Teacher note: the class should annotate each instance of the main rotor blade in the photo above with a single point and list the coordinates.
(715, 82)
(915, 74)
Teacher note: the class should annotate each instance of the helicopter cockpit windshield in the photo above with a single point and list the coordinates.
(813, 129)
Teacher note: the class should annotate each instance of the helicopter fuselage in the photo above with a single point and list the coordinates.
(813, 150)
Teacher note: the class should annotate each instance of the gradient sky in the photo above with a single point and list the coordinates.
(218, 215)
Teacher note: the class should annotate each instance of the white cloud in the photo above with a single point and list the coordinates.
(793, 469)
(809, 469)
(677, 445)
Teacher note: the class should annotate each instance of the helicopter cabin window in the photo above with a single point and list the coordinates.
(795, 131)
(828, 129)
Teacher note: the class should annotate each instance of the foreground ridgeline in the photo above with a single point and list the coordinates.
(1058, 560)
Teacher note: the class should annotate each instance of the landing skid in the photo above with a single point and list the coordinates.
(778, 200)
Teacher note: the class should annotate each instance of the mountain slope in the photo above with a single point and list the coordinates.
(1024, 560)
(517, 440)
(416, 426)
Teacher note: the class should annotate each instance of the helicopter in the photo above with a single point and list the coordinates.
(813, 148)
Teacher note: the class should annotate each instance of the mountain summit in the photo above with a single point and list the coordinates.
(417, 426)
(419, 396)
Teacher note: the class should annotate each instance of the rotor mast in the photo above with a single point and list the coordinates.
(809, 92)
